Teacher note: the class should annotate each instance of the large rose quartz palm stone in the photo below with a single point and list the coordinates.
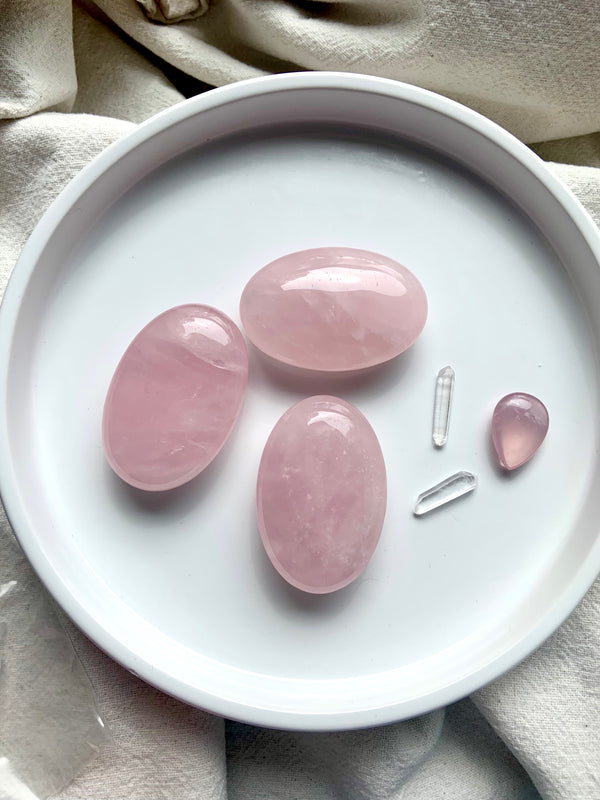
(174, 397)
(333, 309)
(519, 426)
(321, 494)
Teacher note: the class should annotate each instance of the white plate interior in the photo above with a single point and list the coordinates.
(177, 586)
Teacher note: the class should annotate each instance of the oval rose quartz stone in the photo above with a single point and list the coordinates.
(321, 494)
(333, 309)
(174, 397)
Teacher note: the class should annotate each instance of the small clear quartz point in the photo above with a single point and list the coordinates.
(444, 386)
(450, 489)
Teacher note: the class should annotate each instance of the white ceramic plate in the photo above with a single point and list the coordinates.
(186, 208)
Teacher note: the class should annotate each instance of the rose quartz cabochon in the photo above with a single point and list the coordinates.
(333, 309)
(519, 426)
(175, 397)
(321, 494)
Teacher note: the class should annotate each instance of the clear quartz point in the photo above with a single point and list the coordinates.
(450, 489)
(444, 386)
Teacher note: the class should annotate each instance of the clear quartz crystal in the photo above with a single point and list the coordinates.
(444, 386)
(450, 489)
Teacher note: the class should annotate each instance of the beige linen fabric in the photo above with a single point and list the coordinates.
(74, 79)
(530, 66)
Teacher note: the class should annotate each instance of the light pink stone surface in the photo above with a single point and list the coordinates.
(321, 494)
(519, 426)
(333, 309)
(174, 397)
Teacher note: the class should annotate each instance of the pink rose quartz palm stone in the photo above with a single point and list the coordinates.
(321, 494)
(333, 309)
(519, 426)
(174, 397)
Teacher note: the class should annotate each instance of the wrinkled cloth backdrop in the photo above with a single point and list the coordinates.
(74, 79)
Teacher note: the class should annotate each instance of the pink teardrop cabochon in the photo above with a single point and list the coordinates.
(519, 426)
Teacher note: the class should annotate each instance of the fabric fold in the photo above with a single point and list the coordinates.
(37, 66)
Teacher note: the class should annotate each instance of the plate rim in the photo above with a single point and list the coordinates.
(9, 488)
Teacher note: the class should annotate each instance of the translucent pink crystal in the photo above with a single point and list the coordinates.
(519, 426)
(333, 309)
(175, 397)
(321, 494)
